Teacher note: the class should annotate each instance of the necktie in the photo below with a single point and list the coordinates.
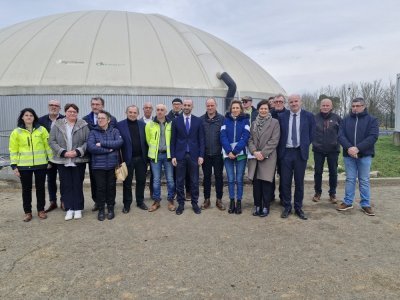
(294, 131)
(187, 125)
(187, 131)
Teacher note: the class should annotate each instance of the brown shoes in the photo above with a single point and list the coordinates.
(42, 215)
(53, 206)
(368, 211)
(316, 197)
(155, 206)
(28, 217)
(206, 204)
(171, 205)
(219, 204)
(332, 199)
(343, 206)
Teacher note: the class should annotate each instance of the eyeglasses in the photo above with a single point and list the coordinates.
(54, 105)
(245, 101)
(358, 105)
(71, 112)
(278, 101)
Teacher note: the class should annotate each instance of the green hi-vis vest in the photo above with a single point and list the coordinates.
(29, 149)
(153, 138)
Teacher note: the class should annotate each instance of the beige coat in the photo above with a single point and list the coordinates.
(266, 142)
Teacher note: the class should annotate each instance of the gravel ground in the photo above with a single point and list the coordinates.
(214, 255)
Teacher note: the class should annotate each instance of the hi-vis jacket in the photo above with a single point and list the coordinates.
(29, 149)
(153, 137)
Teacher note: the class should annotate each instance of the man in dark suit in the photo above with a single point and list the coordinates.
(134, 152)
(297, 133)
(187, 152)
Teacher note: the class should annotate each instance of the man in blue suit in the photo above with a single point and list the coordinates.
(134, 152)
(297, 132)
(187, 152)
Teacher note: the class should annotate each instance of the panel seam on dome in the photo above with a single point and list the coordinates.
(129, 47)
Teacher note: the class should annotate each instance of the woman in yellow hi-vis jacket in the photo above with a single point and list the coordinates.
(29, 154)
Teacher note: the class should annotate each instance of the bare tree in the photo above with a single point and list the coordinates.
(387, 104)
(310, 102)
(373, 94)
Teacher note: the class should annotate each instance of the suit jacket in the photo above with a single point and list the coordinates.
(195, 138)
(127, 147)
(307, 132)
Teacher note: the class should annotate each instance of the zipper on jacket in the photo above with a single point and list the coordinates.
(31, 145)
(234, 131)
(355, 132)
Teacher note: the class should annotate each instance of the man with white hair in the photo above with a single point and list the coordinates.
(48, 121)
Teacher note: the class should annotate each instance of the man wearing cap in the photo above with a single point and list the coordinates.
(358, 134)
(48, 121)
(248, 108)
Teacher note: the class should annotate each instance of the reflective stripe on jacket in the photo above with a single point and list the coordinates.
(29, 149)
(153, 138)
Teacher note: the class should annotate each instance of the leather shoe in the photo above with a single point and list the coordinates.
(196, 209)
(42, 215)
(179, 210)
(300, 214)
(155, 206)
(206, 204)
(142, 206)
(126, 209)
(219, 204)
(285, 213)
(53, 206)
(28, 217)
(171, 205)
(95, 207)
(101, 215)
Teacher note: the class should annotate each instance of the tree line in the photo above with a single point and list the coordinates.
(380, 99)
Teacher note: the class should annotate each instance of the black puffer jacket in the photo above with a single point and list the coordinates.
(326, 133)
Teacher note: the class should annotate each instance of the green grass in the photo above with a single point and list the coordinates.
(386, 160)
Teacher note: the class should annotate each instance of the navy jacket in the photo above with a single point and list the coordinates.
(212, 129)
(359, 130)
(307, 132)
(326, 133)
(90, 120)
(128, 145)
(235, 131)
(105, 157)
(46, 122)
(180, 138)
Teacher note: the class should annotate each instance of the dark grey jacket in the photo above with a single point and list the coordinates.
(212, 128)
(326, 133)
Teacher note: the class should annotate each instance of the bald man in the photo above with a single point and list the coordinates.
(326, 146)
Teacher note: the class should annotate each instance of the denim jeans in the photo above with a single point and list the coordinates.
(235, 172)
(319, 160)
(156, 168)
(357, 168)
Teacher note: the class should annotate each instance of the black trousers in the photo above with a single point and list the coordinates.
(319, 160)
(52, 182)
(210, 162)
(26, 183)
(71, 186)
(106, 184)
(183, 167)
(262, 193)
(293, 165)
(137, 167)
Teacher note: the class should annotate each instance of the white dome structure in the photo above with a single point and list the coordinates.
(122, 53)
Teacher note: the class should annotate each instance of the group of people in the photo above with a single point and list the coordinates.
(268, 139)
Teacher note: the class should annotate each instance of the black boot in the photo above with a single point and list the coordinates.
(101, 216)
(110, 214)
(231, 209)
(238, 207)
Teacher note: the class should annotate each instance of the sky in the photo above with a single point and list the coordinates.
(304, 45)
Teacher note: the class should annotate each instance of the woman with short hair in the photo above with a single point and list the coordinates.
(68, 140)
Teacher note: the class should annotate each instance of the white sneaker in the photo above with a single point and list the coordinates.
(69, 215)
(78, 214)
